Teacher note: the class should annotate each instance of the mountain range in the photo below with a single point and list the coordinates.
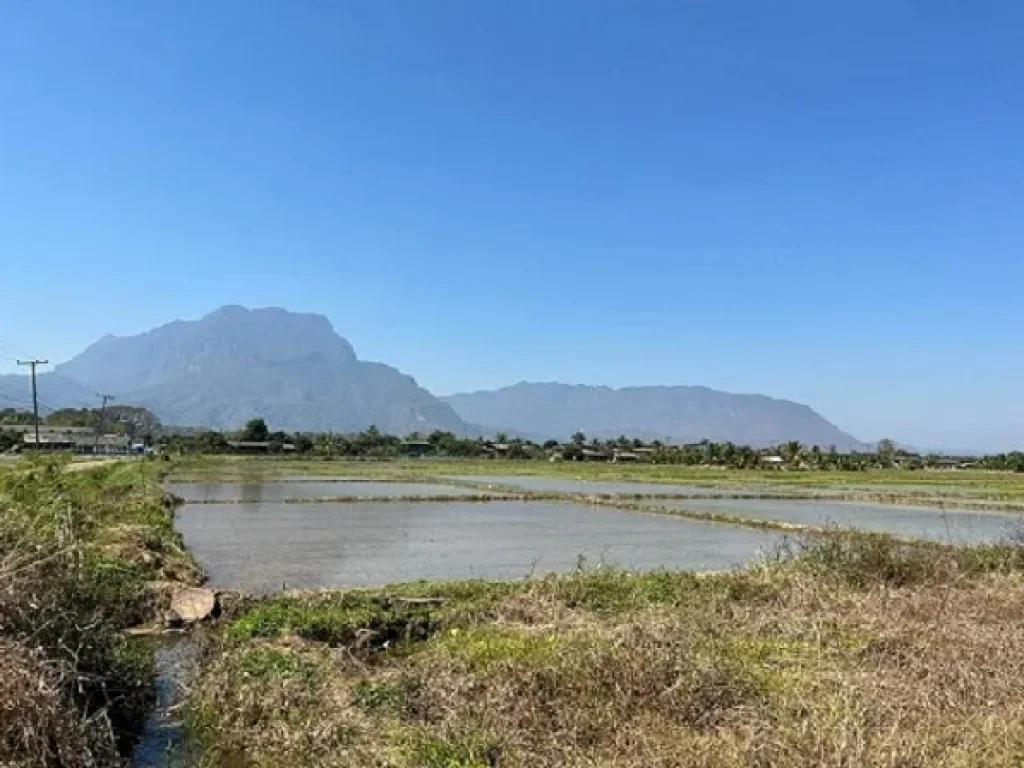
(672, 414)
(296, 372)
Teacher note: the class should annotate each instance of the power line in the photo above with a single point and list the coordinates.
(9, 399)
(7, 349)
(72, 382)
(42, 404)
(15, 350)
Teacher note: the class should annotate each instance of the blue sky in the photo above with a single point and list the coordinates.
(817, 201)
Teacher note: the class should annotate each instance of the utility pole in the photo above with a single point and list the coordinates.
(35, 394)
(99, 427)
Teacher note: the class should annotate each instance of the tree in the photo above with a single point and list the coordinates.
(791, 451)
(886, 451)
(325, 445)
(210, 442)
(727, 453)
(14, 416)
(8, 440)
(572, 452)
(256, 431)
(578, 438)
(72, 417)
(517, 451)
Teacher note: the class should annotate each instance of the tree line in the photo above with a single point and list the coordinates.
(372, 443)
(140, 424)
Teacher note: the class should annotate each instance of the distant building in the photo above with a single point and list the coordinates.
(495, 450)
(773, 461)
(415, 447)
(258, 446)
(625, 456)
(249, 446)
(23, 429)
(953, 462)
(77, 439)
(589, 454)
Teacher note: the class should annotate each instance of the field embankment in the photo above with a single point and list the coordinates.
(984, 488)
(858, 650)
(80, 553)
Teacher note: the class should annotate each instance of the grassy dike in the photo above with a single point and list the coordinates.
(852, 650)
(82, 555)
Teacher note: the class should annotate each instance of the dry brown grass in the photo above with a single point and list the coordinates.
(916, 661)
(39, 724)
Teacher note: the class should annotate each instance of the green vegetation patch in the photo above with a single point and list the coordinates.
(420, 747)
(360, 619)
(482, 648)
(385, 696)
(263, 663)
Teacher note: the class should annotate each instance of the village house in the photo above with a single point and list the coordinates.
(83, 440)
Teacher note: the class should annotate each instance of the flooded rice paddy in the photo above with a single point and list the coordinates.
(960, 526)
(270, 535)
(286, 490)
(264, 547)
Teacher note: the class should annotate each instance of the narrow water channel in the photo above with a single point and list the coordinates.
(162, 743)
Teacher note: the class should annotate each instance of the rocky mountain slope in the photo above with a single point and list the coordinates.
(235, 363)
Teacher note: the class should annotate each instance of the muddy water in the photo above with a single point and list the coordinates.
(264, 547)
(958, 526)
(567, 485)
(283, 490)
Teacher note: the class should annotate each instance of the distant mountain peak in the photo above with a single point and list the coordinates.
(234, 363)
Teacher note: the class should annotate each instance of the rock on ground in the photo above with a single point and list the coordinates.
(193, 603)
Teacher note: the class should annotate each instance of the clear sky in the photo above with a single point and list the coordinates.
(814, 200)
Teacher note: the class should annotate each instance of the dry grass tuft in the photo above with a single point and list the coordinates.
(39, 724)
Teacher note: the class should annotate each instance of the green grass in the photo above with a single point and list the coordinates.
(334, 619)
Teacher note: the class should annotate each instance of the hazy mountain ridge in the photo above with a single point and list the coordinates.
(295, 371)
(234, 364)
(54, 392)
(677, 414)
